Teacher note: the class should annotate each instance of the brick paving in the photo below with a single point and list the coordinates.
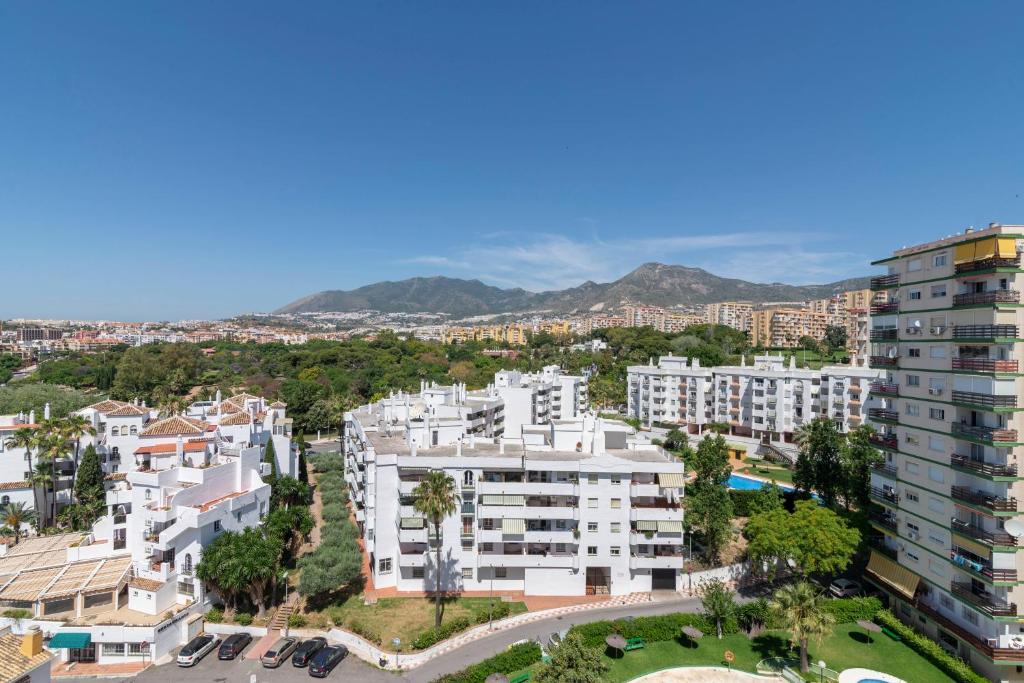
(64, 670)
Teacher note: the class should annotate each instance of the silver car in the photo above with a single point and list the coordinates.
(279, 652)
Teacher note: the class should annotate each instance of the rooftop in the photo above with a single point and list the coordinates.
(13, 664)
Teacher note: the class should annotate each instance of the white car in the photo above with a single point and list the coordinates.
(844, 588)
(197, 648)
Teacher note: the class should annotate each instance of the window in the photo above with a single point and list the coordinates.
(913, 410)
(500, 572)
(616, 479)
(591, 502)
(914, 353)
(913, 527)
(937, 351)
(592, 550)
(913, 265)
(467, 544)
(911, 439)
(915, 294)
(936, 568)
(486, 547)
(115, 431)
(936, 505)
(616, 527)
(384, 565)
(939, 260)
(937, 413)
(417, 572)
(970, 615)
(913, 380)
(116, 649)
(134, 430)
(936, 444)
(616, 503)
(913, 557)
(138, 648)
(149, 495)
(592, 478)
(936, 474)
(467, 573)
(911, 496)
(592, 527)
(935, 539)
(938, 291)
(936, 385)
(615, 551)
(5, 500)
(911, 467)
(945, 601)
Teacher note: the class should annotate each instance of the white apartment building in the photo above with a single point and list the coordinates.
(947, 410)
(537, 397)
(570, 507)
(767, 400)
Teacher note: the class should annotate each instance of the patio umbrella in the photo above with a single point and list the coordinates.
(869, 626)
(693, 633)
(616, 642)
(496, 678)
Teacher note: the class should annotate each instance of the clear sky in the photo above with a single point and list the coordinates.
(177, 159)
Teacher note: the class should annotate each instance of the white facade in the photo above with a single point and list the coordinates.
(538, 397)
(570, 507)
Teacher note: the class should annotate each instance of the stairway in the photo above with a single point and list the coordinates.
(280, 620)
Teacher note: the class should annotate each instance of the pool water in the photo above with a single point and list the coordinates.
(741, 483)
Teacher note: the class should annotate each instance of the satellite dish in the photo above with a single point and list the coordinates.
(1014, 527)
(917, 323)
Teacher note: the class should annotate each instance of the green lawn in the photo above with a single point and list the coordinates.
(844, 649)
(768, 471)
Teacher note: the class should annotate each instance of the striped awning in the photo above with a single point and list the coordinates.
(973, 546)
(646, 525)
(670, 527)
(413, 523)
(513, 526)
(897, 577)
(673, 480)
(499, 499)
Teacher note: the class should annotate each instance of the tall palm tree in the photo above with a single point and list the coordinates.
(436, 498)
(801, 609)
(29, 439)
(56, 446)
(42, 479)
(74, 427)
(16, 514)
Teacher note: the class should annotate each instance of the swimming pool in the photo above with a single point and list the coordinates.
(741, 483)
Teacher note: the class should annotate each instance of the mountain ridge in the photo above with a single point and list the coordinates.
(653, 284)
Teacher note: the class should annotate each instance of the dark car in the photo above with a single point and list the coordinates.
(233, 645)
(326, 659)
(306, 649)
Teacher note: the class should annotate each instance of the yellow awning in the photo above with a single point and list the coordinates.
(667, 527)
(413, 522)
(978, 549)
(985, 249)
(646, 525)
(499, 499)
(674, 480)
(1006, 247)
(513, 526)
(897, 577)
(964, 253)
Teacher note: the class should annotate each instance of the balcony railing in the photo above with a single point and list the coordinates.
(986, 647)
(888, 521)
(884, 281)
(884, 441)
(984, 365)
(984, 331)
(978, 467)
(987, 264)
(885, 470)
(986, 434)
(985, 600)
(999, 296)
(887, 307)
(883, 335)
(883, 361)
(981, 400)
(120, 543)
(979, 534)
(982, 569)
(883, 415)
(887, 496)
(885, 388)
(120, 519)
(985, 500)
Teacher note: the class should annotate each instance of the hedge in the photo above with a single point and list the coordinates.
(513, 659)
(954, 667)
(361, 628)
(443, 632)
(499, 611)
(652, 629)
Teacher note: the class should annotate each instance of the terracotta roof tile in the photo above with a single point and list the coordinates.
(116, 476)
(236, 419)
(278, 404)
(175, 425)
(12, 485)
(108, 406)
(188, 447)
(13, 664)
(128, 410)
(145, 584)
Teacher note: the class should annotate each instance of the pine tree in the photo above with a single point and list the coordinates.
(89, 489)
(269, 456)
(300, 441)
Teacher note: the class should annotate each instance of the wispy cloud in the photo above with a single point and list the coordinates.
(541, 261)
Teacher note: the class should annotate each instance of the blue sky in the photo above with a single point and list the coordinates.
(161, 161)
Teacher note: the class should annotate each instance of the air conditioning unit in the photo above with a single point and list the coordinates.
(935, 391)
(913, 330)
(913, 535)
(938, 329)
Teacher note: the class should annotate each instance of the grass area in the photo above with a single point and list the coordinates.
(403, 618)
(781, 475)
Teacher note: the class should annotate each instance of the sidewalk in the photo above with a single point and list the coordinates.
(80, 669)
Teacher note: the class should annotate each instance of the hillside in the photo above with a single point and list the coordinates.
(655, 284)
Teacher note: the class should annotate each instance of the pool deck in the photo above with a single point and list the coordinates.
(702, 674)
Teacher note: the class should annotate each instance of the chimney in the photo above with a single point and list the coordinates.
(458, 448)
(31, 642)
(46, 411)
(472, 441)
(412, 447)
(179, 449)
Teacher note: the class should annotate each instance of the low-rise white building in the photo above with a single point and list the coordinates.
(538, 397)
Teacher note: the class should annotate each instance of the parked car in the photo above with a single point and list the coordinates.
(844, 588)
(306, 649)
(278, 652)
(326, 659)
(197, 648)
(233, 645)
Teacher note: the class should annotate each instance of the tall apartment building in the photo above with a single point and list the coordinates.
(948, 418)
(767, 400)
(782, 328)
(539, 397)
(30, 334)
(735, 314)
(601, 322)
(572, 507)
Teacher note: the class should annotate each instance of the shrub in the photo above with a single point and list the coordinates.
(296, 620)
(215, 615)
(243, 618)
(655, 629)
(334, 513)
(741, 502)
(361, 628)
(513, 659)
(18, 613)
(755, 613)
(500, 611)
(849, 610)
(955, 668)
(445, 631)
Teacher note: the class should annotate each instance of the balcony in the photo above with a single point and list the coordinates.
(986, 647)
(887, 307)
(887, 521)
(883, 415)
(1000, 538)
(529, 560)
(885, 389)
(885, 470)
(883, 335)
(885, 281)
(982, 570)
(982, 499)
(884, 495)
(987, 264)
(884, 441)
(985, 332)
(984, 600)
(962, 462)
(883, 361)
(991, 435)
(985, 401)
(984, 365)
(999, 296)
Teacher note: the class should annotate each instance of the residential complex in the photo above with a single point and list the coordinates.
(513, 334)
(571, 507)
(947, 412)
(539, 397)
(661, 319)
(767, 400)
(735, 314)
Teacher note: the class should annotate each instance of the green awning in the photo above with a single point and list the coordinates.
(499, 499)
(70, 641)
(674, 480)
(413, 523)
(513, 526)
(670, 527)
(646, 525)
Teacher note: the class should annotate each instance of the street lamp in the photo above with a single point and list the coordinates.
(284, 577)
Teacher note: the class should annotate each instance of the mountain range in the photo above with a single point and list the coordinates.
(653, 284)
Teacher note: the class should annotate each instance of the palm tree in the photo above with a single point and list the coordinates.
(28, 439)
(801, 609)
(74, 427)
(56, 444)
(718, 603)
(16, 514)
(436, 498)
(42, 479)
